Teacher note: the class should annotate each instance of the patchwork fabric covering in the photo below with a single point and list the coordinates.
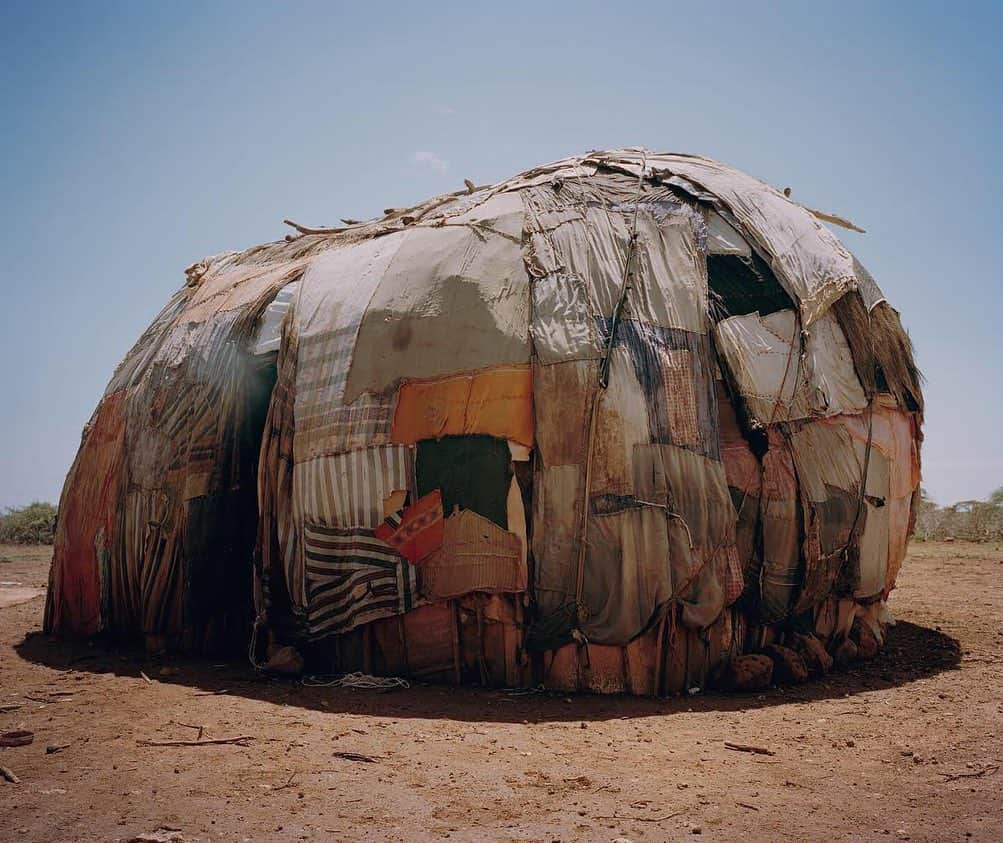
(610, 425)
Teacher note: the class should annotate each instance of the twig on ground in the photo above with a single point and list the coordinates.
(975, 774)
(241, 740)
(747, 805)
(640, 819)
(201, 729)
(211, 693)
(356, 756)
(47, 699)
(745, 747)
(18, 737)
(8, 774)
(289, 782)
(146, 678)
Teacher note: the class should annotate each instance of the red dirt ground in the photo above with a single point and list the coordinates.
(909, 746)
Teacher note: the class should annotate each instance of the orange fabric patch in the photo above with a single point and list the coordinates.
(419, 533)
(497, 402)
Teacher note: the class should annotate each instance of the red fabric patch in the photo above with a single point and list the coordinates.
(419, 533)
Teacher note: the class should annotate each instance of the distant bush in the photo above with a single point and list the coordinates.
(32, 524)
(976, 521)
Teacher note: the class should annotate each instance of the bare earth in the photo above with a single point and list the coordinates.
(909, 746)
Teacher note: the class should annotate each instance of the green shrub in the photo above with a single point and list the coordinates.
(32, 524)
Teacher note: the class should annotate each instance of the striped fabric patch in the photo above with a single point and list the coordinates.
(325, 424)
(348, 490)
(353, 578)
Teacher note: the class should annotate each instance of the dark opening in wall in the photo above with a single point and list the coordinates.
(740, 284)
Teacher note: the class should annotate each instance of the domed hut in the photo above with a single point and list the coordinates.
(608, 425)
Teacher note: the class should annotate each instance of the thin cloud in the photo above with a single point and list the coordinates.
(423, 156)
(445, 110)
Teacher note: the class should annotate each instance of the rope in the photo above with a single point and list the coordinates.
(362, 681)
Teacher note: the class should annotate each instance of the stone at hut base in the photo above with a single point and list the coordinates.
(788, 667)
(845, 655)
(816, 659)
(867, 643)
(747, 673)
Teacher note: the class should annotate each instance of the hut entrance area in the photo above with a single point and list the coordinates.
(629, 422)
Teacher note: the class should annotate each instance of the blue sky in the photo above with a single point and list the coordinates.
(139, 137)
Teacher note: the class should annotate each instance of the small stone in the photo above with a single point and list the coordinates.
(696, 830)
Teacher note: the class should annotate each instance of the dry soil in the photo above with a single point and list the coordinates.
(907, 746)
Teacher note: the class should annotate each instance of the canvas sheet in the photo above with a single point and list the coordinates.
(455, 298)
(874, 542)
(675, 372)
(582, 248)
(763, 355)
(723, 239)
(809, 259)
(329, 311)
(894, 436)
(829, 475)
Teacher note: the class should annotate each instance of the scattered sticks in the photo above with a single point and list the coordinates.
(640, 819)
(974, 774)
(289, 782)
(745, 747)
(240, 740)
(201, 729)
(356, 756)
(19, 737)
